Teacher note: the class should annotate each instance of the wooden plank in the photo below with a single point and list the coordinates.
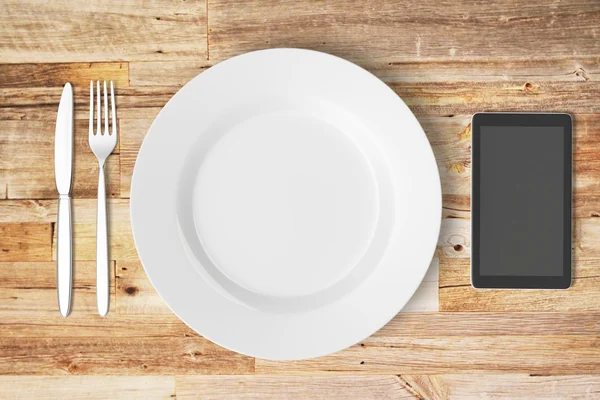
(49, 75)
(120, 237)
(19, 323)
(16, 216)
(456, 293)
(439, 354)
(414, 325)
(44, 211)
(404, 31)
(126, 97)
(107, 355)
(178, 73)
(450, 139)
(135, 293)
(577, 69)
(28, 288)
(35, 32)
(92, 387)
(503, 386)
(291, 387)
(25, 242)
(438, 343)
(133, 133)
(451, 98)
(165, 73)
(424, 98)
(587, 237)
(120, 241)
(42, 102)
(27, 163)
(459, 324)
(466, 386)
(48, 113)
(457, 386)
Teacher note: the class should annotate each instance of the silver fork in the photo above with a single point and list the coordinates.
(102, 143)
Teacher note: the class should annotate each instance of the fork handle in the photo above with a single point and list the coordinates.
(64, 259)
(102, 273)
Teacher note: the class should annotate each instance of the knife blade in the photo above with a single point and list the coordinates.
(63, 165)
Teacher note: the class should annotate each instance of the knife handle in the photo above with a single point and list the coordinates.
(102, 272)
(64, 259)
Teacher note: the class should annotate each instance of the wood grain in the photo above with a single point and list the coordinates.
(165, 73)
(44, 211)
(49, 75)
(34, 31)
(407, 31)
(25, 324)
(25, 242)
(120, 241)
(134, 326)
(94, 387)
(456, 293)
(503, 386)
(104, 355)
(451, 386)
(29, 235)
(439, 354)
(120, 238)
(132, 136)
(580, 69)
(314, 388)
(446, 61)
(424, 98)
(491, 324)
(29, 288)
(27, 161)
(135, 293)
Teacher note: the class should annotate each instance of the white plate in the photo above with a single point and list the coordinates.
(285, 204)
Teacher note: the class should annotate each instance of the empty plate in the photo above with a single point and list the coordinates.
(285, 204)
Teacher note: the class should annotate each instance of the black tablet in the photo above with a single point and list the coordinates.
(521, 201)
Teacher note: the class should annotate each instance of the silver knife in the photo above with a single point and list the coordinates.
(63, 163)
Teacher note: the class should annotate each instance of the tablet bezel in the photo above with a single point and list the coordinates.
(520, 119)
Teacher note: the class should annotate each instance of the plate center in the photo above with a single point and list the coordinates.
(285, 204)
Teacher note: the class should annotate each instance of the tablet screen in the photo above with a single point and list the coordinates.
(521, 200)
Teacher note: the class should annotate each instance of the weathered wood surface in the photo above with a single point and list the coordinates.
(404, 30)
(457, 387)
(91, 387)
(446, 60)
(85, 31)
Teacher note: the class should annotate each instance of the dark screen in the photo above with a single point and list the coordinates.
(521, 200)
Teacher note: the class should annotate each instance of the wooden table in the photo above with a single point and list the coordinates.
(446, 60)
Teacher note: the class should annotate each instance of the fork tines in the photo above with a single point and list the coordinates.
(113, 114)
